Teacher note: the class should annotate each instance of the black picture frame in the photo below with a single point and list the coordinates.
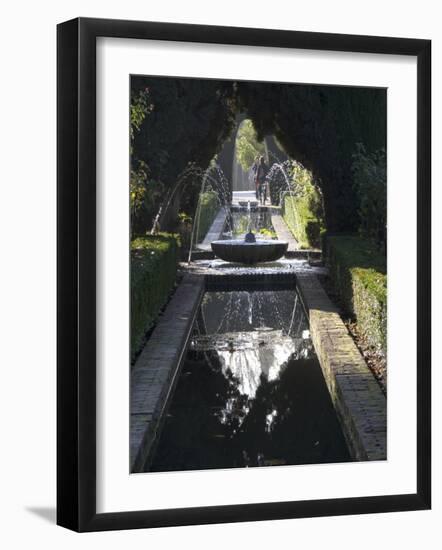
(76, 273)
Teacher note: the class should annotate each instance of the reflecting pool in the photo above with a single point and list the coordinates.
(251, 390)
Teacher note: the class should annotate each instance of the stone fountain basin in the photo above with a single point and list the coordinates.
(249, 253)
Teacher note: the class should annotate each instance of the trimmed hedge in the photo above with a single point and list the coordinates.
(358, 272)
(209, 206)
(153, 273)
(302, 221)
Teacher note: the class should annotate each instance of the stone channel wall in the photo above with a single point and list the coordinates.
(156, 370)
(357, 397)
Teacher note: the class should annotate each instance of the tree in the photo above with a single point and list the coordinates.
(189, 121)
(319, 126)
(370, 182)
(140, 108)
(247, 145)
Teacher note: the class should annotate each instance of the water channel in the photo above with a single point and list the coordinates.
(251, 391)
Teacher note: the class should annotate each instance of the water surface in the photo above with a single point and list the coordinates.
(251, 391)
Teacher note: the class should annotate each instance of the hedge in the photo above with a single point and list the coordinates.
(153, 273)
(209, 206)
(302, 221)
(358, 272)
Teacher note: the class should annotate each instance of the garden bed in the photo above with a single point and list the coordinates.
(358, 275)
(209, 206)
(153, 273)
(302, 221)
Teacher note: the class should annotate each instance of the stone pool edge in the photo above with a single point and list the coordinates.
(358, 399)
(356, 396)
(156, 370)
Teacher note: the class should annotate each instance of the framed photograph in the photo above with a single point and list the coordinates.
(243, 274)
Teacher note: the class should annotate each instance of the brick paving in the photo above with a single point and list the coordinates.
(284, 233)
(155, 371)
(357, 397)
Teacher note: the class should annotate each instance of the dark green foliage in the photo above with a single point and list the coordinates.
(358, 272)
(370, 180)
(143, 190)
(302, 209)
(140, 107)
(153, 272)
(247, 145)
(302, 221)
(320, 126)
(189, 121)
(313, 233)
(184, 231)
(209, 207)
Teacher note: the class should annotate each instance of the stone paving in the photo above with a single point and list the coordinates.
(283, 232)
(357, 397)
(155, 371)
(215, 230)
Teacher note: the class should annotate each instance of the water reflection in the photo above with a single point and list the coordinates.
(254, 333)
(251, 392)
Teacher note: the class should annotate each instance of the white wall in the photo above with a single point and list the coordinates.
(27, 289)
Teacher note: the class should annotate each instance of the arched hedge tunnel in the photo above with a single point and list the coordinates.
(319, 126)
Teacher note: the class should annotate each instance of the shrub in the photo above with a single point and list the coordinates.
(184, 230)
(208, 209)
(145, 195)
(187, 122)
(247, 146)
(153, 273)
(303, 210)
(280, 180)
(370, 182)
(358, 273)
